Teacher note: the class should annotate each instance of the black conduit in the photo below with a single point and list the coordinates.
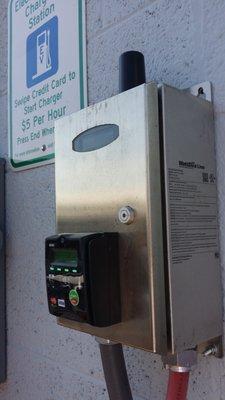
(115, 372)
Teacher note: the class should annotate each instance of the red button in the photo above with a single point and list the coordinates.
(53, 301)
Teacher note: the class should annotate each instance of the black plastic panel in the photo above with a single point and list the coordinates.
(96, 300)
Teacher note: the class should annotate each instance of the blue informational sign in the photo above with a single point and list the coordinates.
(42, 53)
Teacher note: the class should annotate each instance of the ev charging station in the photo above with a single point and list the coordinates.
(135, 257)
(136, 252)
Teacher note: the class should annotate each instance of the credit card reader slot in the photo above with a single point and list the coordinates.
(82, 277)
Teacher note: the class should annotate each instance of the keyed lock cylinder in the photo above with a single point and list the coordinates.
(126, 215)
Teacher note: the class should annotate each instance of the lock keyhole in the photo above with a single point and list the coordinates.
(126, 215)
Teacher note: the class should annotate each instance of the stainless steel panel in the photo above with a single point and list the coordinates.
(195, 303)
(91, 188)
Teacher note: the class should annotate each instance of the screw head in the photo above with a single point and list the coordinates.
(126, 215)
(211, 351)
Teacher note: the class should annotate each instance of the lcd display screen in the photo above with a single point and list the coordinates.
(67, 256)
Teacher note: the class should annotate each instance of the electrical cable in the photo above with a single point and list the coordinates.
(115, 372)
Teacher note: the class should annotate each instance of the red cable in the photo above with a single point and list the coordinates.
(177, 386)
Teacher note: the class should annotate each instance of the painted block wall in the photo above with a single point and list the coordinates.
(184, 43)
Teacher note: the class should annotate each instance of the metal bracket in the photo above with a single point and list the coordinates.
(180, 362)
(213, 347)
(202, 90)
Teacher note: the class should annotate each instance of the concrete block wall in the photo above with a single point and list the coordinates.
(184, 43)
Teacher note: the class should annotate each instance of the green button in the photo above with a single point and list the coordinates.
(74, 270)
(66, 270)
(59, 269)
(74, 297)
(52, 268)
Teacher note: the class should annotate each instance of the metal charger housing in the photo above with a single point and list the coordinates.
(157, 127)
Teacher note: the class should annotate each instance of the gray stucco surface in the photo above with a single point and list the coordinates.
(184, 43)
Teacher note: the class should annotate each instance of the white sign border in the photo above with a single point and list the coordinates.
(50, 158)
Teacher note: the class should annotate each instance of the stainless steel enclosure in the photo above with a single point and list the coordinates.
(159, 288)
(194, 278)
(91, 187)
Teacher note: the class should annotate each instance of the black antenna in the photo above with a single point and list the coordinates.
(131, 70)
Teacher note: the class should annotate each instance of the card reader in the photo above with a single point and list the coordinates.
(82, 273)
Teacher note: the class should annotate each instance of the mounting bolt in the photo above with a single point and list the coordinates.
(211, 351)
(126, 215)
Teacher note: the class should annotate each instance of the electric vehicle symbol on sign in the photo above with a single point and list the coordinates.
(42, 53)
